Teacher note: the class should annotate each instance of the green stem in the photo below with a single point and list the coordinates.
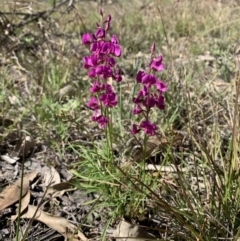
(110, 129)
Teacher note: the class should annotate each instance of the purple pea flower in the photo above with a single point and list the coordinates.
(117, 76)
(100, 119)
(160, 102)
(109, 18)
(106, 48)
(106, 87)
(92, 73)
(137, 109)
(148, 127)
(93, 103)
(134, 130)
(109, 99)
(95, 87)
(116, 50)
(144, 91)
(111, 61)
(148, 96)
(141, 95)
(161, 86)
(149, 101)
(104, 71)
(100, 33)
(100, 65)
(87, 63)
(149, 80)
(139, 76)
(139, 99)
(110, 47)
(90, 61)
(96, 46)
(86, 39)
(156, 64)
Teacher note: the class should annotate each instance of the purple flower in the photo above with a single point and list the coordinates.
(100, 65)
(106, 48)
(95, 87)
(116, 50)
(148, 97)
(86, 39)
(106, 87)
(109, 18)
(100, 119)
(139, 76)
(92, 73)
(149, 101)
(96, 47)
(104, 71)
(160, 102)
(95, 116)
(156, 64)
(100, 33)
(93, 103)
(137, 109)
(111, 61)
(90, 61)
(110, 47)
(161, 86)
(114, 39)
(139, 99)
(144, 91)
(87, 63)
(117, 77)
(109, 99)
(134, 130)
(148, 128)
(149, 80)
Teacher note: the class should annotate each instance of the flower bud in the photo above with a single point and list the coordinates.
(101, 11)
(153, 48)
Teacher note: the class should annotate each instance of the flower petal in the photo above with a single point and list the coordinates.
(156, 64)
